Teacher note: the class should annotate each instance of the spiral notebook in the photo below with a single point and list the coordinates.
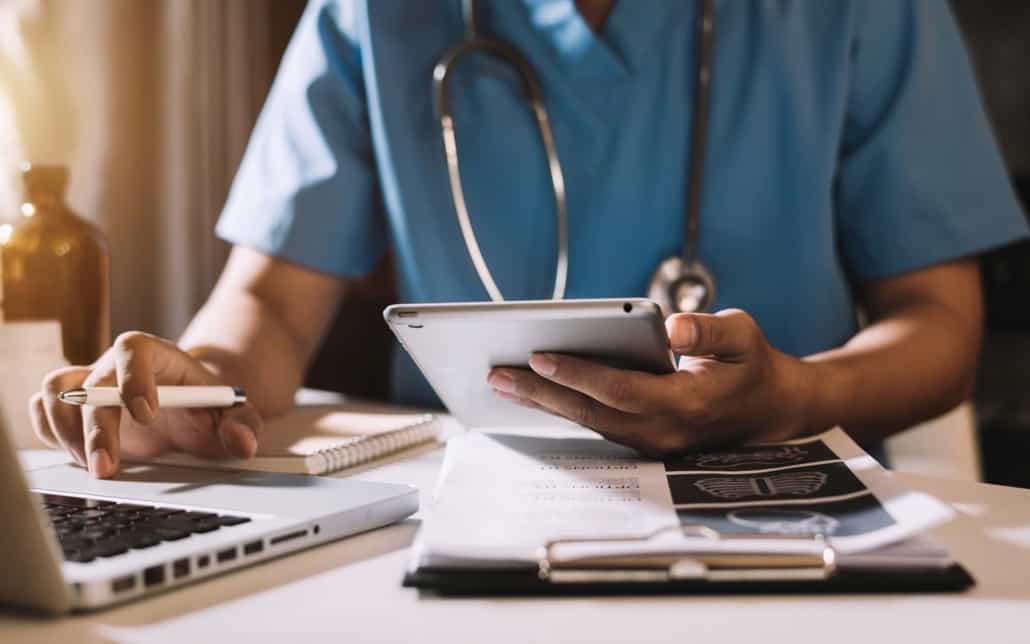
(324, 439)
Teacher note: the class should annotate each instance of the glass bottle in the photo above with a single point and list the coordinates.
(56, 267)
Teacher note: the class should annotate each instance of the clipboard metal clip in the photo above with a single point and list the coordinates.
(646, 560)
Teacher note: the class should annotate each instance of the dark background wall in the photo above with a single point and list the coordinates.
(998, 35)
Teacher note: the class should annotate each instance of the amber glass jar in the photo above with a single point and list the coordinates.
(56, 267)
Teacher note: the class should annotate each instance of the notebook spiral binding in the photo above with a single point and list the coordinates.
(362, 449)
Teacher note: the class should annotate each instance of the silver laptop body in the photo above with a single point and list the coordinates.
(231, 520)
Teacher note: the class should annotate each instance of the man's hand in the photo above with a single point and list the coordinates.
(731, 386)
(98, 437)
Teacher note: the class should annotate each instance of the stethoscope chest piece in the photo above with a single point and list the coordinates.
(682, 287)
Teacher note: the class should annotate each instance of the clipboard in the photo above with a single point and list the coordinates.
(813, 566)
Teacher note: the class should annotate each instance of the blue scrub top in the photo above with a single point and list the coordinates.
(846, 143)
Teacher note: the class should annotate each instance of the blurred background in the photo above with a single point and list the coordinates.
(150, 105)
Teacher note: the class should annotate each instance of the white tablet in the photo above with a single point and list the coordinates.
(455, 345)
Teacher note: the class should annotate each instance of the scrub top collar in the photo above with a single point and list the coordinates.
(624, 44)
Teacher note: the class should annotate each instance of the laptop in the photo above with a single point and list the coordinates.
(72, 542)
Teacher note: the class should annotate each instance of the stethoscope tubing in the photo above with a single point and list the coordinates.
(675, 273)
(531, 89)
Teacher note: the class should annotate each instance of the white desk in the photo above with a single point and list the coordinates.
(351, 589)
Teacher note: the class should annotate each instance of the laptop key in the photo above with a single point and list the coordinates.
(111, 548)
(126, 519)
(64, 500)
(229, 520)
(75, 543)
(85, 555)
(59, 510)
(94, 534)
(74, 501)
(149, 512)
(167, 512)
(205, 526)
(121, 510)
(168, 533)
(197, 516)
(123, 526)
(190, 526)
(130, 507)
(90, 514)
(140, 541)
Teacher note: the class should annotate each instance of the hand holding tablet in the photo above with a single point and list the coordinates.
(457, 345)
(608, 365)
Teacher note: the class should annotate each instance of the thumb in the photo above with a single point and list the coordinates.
(730, 333)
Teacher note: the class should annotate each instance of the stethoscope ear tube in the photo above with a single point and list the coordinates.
(531, 90)
(699, 132)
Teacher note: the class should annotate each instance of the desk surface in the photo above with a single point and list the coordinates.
(352, 588)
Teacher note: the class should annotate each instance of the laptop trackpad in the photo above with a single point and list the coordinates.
(256, 492)
(156, 479)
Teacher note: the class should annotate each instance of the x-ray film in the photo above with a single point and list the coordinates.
(795, 485)
(822, 485)
(756, 458)
(850, 517)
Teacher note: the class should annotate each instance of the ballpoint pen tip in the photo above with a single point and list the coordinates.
(72, 396)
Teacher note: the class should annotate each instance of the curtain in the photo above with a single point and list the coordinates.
(150, 104)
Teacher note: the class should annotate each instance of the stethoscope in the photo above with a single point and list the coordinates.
(681, 283)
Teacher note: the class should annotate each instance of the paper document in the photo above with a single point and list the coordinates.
(502, 496)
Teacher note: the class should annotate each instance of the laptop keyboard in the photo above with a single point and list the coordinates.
(90, 528)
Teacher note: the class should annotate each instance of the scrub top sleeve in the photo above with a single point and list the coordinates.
(306, 190)
(920, 180)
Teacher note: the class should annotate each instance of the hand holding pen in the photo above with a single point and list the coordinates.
(143, 397)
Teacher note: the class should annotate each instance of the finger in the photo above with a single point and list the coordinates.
(634, 392)
(40, 425)
(134, 367)
(727, 334)
(194, 431)
(101, 429)
(65, 420)
(519, 401)
(102, 439)
(562, 401)
(214, 434)
(649, 435)
(238, 430)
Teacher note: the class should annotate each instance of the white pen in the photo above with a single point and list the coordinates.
(213, 396)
